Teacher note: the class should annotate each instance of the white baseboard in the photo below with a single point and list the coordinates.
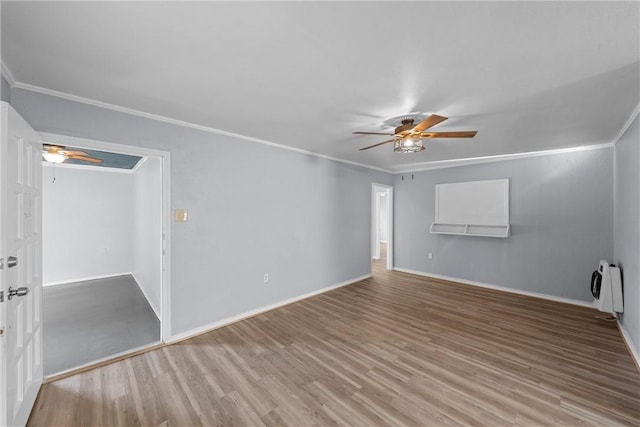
(229, 320)
(84, 279)
(630, 345)
(499, 288)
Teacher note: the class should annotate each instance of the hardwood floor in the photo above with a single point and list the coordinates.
(396, 349)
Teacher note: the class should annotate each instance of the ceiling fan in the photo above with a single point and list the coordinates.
(407, 138)
(57, 154)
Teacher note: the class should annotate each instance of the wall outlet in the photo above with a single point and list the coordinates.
(430, 255)
(265, 278)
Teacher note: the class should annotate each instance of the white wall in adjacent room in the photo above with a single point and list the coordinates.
(147, 231)
(383, 217)
(87, 223)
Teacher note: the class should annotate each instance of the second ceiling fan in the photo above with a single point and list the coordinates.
(58, 153)
(407, 137)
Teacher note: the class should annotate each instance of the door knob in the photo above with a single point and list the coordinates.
(12, 261)
(20, 292)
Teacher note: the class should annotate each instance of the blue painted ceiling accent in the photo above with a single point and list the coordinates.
(109, 160)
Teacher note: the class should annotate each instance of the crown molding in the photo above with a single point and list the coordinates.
(113, 107)
(441, 164)
(102, 169)
(632, 117)
(419, 167)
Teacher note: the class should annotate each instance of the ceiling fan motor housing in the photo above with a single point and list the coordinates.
(407, 124)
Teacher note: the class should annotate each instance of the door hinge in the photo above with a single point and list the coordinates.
(1, 296)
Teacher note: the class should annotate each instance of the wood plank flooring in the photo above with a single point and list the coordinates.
(397, 349)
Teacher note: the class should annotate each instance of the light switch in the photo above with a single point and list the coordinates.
(180, 215)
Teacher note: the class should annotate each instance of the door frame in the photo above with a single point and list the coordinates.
(388, 189)
(165, 159)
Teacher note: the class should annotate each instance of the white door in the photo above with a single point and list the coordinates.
(21, 273)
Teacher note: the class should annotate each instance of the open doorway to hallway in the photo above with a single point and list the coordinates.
(381, 227)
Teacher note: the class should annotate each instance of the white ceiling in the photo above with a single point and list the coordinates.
(528, 76)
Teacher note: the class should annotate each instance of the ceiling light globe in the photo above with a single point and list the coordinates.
(54, 157)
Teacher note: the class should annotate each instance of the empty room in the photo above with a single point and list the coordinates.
(360, 213)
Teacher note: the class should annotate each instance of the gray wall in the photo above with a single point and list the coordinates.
(253, 209)
(626, 248)
(5, 90)
(561, 211)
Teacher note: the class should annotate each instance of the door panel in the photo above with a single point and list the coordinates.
(20, 237)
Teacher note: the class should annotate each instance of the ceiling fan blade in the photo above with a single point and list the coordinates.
(86, 159)
(72, 153)
(52, 147)
(379, 143)
(432, 120)
(461, 134)
(373, 133)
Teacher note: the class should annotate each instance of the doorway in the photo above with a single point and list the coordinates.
(136, 278)
(382, 226)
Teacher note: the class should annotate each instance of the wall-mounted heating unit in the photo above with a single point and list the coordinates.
(606, 288)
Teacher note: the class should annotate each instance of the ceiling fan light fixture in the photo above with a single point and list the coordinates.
(408, 145)
(54, 157)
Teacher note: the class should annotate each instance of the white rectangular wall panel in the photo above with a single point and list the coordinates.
(479, 208)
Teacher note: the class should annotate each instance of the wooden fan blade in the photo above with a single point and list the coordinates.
(52, 148)
(461, 134)
(72, 153)
(379, 143)
(432, 120)
(373, 133)
(86, 159)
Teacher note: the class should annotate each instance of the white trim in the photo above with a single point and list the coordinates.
(88, 167)
(85, 279)
(633, 116)
(233, 319)
(390, 232)
(7, 74)
(630, 344)
(441, 164)
(95, 144)
(499, 288)
(139, 164)
(165, 290)
(438, 164)
(182, 123)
